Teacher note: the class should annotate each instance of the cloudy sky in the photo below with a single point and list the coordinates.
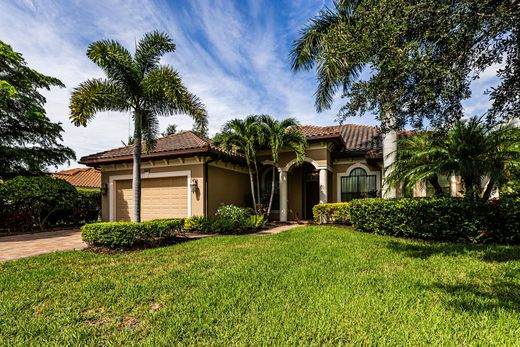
(232, 54)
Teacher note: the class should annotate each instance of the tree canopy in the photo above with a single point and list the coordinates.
(412, 59)
(29, 141)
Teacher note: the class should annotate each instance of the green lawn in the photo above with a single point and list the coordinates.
(310, 285)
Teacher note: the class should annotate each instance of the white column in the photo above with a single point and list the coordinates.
(323, 186)
(283, 196)
(389, 155)
(420, 189)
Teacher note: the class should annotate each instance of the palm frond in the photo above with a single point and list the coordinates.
(116, 61)
(150, 49)
(96, 95)
(149, 129)
(166, 95)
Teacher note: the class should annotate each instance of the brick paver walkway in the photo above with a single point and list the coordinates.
(27, 245)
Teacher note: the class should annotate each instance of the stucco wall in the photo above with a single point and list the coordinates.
(226, 186)
(197, 172)
(342, 166)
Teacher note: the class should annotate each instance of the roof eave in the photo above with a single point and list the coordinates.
(161, 155)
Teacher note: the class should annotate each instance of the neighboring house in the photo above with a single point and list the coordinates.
(87, 177)
(185, 175)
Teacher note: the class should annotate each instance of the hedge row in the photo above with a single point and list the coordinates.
(337, 213)
(130, 234)
(27, 203)
(442, 219)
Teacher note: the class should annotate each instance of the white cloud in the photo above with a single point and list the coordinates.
(235, 60)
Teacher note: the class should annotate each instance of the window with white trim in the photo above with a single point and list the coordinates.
(358, 185)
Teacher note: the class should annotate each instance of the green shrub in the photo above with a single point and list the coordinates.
(255, 221)
(443, 219)
(130, 234)
(337, 213)
(198, 223)
(232, 219)
(28, 202)
(38, 202)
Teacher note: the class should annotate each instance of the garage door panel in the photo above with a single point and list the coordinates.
(165, 197)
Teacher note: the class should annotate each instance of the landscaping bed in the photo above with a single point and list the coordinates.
(311, 285)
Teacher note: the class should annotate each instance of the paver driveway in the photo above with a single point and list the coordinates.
(20, 246)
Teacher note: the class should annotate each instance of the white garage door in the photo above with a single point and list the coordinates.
(165, 197)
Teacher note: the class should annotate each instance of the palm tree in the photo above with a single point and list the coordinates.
(331, 44)
(243, 136)
(279, 134)
(138, 84)
(471, 149)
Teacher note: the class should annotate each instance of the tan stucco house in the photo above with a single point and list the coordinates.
(185, 175)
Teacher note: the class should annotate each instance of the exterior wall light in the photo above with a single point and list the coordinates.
(194, 185)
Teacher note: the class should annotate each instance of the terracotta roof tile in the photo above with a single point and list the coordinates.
(312, 131)
(80, 177)
(360, 138)
(185, 140)
(356, 139)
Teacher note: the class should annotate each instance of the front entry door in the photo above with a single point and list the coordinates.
(312, 197)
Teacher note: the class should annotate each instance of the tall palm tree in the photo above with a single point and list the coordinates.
(279, 134)
(471, 149)
(334, 44)
(243, 136)
(139, 84)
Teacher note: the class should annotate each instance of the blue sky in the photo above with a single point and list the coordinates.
(232, 54)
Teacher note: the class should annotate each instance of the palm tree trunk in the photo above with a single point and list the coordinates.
(136, 179)
(272, 193)
(434, 181)
(252, 186)
(389, 157)
(257, 184)
(489, 188)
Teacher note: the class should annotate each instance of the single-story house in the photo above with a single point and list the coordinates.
(185, 175)
(81, 177)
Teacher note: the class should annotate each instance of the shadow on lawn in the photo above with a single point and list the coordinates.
(483, 252)
(475, 297)
(476, 294)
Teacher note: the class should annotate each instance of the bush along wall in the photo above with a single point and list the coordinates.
(336, 213)
(443, 219)
(28, 203)
(229, 219)
(129, 234)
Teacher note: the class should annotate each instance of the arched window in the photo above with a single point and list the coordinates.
(358, 185)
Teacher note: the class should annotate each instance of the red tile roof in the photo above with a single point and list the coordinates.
(357, 139)
(360, 138)
(81, 177)
(182, 142)
(315, 132)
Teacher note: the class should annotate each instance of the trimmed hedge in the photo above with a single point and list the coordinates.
(130, 234)
(337, 213)
(27, 203)
(443, 219)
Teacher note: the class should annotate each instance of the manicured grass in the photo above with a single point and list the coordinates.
(311, 285)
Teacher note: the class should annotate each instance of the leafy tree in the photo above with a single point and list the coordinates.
(412, 60)
(279, 134)
(471, 149)
(139, 84)
(29, 141)
(244, 136)
(170, 130)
